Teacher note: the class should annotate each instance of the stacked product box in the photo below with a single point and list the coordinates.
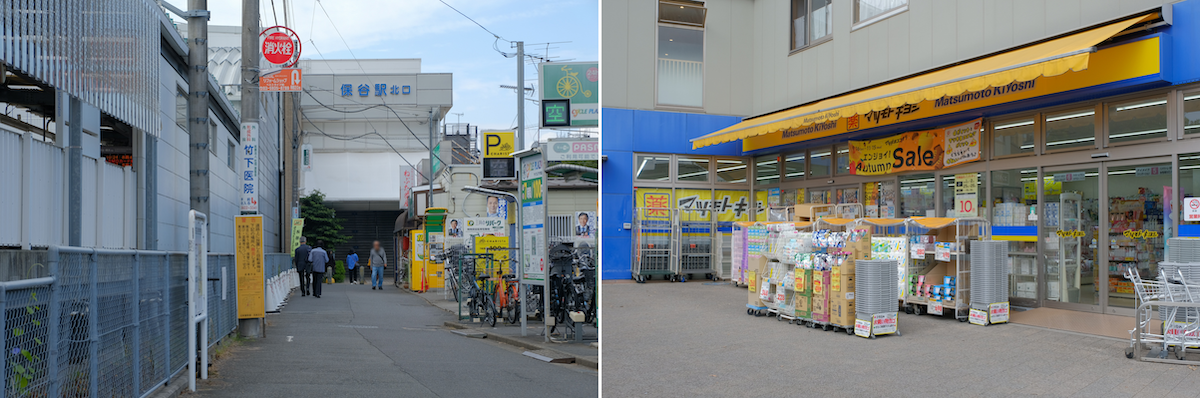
(820, 296)
(842, 286)
(804, 292)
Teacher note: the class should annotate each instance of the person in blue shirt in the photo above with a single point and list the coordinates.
(351, 261)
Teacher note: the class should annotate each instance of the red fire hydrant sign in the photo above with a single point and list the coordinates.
(280, 46)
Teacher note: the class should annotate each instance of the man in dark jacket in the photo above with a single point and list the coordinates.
(303, 266)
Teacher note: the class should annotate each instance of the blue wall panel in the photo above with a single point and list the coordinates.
(629, 131)
(1180, 56)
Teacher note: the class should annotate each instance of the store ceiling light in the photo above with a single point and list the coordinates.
(1011, 125)
(1141, 105)
(1066, 142)
(1071, 116)
(1137, 133)
(1197, 96)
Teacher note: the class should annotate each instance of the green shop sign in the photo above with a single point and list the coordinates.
(570, 94)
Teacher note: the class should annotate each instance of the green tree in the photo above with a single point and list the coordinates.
(320, 221)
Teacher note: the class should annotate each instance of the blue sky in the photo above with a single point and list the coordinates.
(443, 39)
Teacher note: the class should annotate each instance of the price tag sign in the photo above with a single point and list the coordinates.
(752, 282)
(918, 251)
(964, 204)
(942, 252)
(764, 293)
(998, 312)
(978, 317)
(935, 308)
(800, 281)
(884, 323)
(862, 328)
(780, 295)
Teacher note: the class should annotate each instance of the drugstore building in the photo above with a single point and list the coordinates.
(1064, 123)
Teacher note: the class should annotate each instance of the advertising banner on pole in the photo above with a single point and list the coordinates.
(533, 218)
(408, 180)
(248, 168)
(578, 83)
(248, 235)
(297, 232)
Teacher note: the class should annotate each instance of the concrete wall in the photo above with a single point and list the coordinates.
(751, 70)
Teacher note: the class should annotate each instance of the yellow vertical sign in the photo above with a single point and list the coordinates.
(417, 269)
(297, 232)
(249, 238)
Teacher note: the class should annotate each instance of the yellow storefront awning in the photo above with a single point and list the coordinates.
(1051, 58)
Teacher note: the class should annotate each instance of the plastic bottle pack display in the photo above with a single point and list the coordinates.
(756, 240)
(826, 239)
(820, 261)
(793, 243)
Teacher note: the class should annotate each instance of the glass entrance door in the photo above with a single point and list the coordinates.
(1136, 193)
(1070, 217)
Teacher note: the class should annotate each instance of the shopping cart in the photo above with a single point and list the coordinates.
(1179, 299)
(654, 238)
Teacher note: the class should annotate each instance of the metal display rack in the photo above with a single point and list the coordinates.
(696, 231)
(919, 294)
(654, 234)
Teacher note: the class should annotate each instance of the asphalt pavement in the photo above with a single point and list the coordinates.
(695, 339)
(358, 342)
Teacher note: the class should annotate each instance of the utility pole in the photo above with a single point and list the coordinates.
(198, 104)
(250, 103)
(520, 96)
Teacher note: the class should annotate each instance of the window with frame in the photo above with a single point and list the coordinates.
(1191, 113)
(841, 158)
(213, 138)
(231, 149)
(793, 166)
(812, 20)
(181, 108)
(692, 169)
(766, 170)
(1139, 119)
(819, 162)
(1071, 129)
(731, 170)
(865, 10)
(1013, 137)
(681, 53)
(653, 167)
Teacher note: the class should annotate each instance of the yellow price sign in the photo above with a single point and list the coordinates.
(753, 281)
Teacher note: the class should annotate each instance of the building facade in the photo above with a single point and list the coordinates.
(778, 102)
(127, 185)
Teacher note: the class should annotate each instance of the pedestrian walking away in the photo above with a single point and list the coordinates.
(378, 262)
(303, 265)
(319, 258)
(351, 272)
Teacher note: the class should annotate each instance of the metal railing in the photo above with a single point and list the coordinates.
(104, 322)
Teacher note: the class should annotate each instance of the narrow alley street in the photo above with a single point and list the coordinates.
(358, 342)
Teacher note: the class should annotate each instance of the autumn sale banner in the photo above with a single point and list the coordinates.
(917, 150)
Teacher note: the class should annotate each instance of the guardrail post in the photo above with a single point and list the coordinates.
(93, 326)
(137, 322)
(54, 327)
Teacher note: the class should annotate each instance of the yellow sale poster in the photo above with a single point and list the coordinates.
(917, 150)
(251, 300)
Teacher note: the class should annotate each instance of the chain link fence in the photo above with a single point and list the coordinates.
(81, 322)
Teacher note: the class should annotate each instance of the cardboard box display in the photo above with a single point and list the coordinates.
(804, 282)
(804, 211)
(841, 312)
(803, 306)
(841, 281)
(820, 297)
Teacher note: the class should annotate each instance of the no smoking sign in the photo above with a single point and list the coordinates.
(1191, 209)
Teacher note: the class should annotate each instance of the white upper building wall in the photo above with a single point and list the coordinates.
(750, 68)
